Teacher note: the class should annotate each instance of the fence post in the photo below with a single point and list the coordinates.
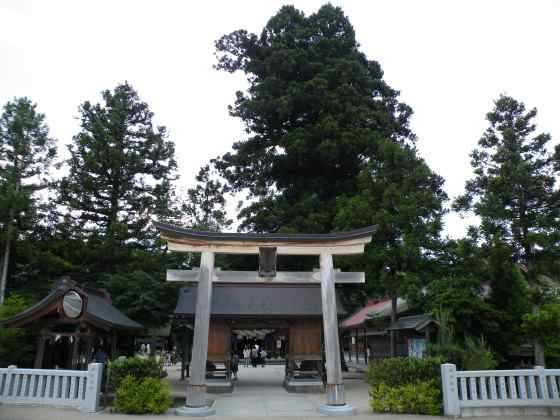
(10, 377)
(543, 384)
(93, 388)
(450, 391)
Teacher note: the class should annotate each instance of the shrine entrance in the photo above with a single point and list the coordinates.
(226, 301)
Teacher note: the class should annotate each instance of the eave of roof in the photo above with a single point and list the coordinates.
(412, 322)
(98, 311)
(181, 232)
(372, 310)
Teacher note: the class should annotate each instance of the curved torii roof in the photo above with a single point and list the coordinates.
(338, 243)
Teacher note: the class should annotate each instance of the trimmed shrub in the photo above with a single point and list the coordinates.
(398, 371)
(136, 367)
(149, 395)
(413, 398)
(406, 385)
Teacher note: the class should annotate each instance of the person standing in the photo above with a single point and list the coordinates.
(246, 356)
(235, 365)
(263, 357)
(254, 357)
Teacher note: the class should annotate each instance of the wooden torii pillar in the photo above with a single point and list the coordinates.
(267, 246)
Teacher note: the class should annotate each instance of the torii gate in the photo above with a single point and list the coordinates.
(267, 246)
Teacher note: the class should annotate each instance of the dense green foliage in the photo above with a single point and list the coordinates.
(142, 396)
(136, 367)
(545, 326)
(405, 385)
(17, 346)
(410, 398)
(119, 166)
(314, 109)
(26, 155)
(514, 193)
(397, 371)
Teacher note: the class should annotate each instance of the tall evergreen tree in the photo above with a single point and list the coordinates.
(403, 198)
(205, 205)
(26, 155)
(513, 191)
(120, 166)
(314, 110)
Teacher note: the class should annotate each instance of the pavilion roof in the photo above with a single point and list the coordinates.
(373, 309)
(98, 310)
(412, 322)
(257, 300)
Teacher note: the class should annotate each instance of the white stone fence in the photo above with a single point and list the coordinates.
(80, 389)
(499, 392)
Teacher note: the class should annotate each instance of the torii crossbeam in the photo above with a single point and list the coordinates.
(267, 246)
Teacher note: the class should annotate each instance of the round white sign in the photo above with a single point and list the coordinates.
(72, 304)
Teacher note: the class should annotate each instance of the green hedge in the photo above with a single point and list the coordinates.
(413, 398)
(136, 367)
(148, 395)
(398, 371)
(406, 385)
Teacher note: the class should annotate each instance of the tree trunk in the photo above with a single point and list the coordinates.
(538, 348)
(393, 320)
(6, 259)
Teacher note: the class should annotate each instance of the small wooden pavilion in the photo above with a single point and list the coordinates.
(70, 322)
(292, 311)
(267, 246)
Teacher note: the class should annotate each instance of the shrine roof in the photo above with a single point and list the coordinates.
(373, 309)
(412, 322)
(98, 309)
(257, 300)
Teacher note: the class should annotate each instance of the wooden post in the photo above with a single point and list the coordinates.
(114, 345)
(75, 355)
(357, 347)
(196, 389)
(335, 387)
(40, 352)
(393, 336)
(365, 346)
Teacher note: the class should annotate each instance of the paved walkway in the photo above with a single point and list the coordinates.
(259, 392)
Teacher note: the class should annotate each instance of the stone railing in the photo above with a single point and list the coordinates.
(63, 388)
(497, 392)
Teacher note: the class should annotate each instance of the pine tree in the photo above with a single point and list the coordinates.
(120, 169)
(26, 155)
(205, 205)
(314, 110)
(403, 198)
(513, 191)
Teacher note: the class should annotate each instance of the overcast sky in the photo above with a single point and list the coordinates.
(449, 59)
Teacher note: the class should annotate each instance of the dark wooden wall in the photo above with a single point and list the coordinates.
(305, 339)
(219, 340)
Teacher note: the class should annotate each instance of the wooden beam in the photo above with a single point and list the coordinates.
(284, 277)
(281, 249)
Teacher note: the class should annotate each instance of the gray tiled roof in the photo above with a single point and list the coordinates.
(244, 299)
(411, 322)
(98, 309)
